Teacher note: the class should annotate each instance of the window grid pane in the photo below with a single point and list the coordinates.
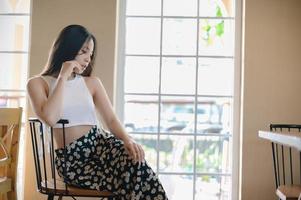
(141, 113)
(143, 7)
(138, 34)
(14, 69)
(180, 8)
(179, 36)
(14, 33)
(147, 69)
(20, 6)
(177, 75)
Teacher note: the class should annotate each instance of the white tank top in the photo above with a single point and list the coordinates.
(78, 105)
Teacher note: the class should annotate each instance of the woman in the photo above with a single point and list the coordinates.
(96, 159)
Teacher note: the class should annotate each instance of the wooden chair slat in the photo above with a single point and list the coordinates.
(10, 126)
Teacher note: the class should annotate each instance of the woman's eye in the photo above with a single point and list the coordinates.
(85, 52)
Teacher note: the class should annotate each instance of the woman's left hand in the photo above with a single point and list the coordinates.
(134, 150)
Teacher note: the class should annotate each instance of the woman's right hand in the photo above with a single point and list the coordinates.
(69, 67)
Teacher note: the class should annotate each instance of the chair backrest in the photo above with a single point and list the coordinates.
(286, 161)
(10, 126)
(44, 156)
(48, 180)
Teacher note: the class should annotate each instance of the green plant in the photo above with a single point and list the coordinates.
(212, 31)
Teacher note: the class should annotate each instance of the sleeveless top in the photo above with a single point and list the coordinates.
(78, 106)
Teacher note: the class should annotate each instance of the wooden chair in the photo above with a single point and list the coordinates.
(10, 126)
(48, 181)
(287, 183)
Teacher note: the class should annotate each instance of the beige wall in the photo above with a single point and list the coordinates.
(48, 18)
(271, 86)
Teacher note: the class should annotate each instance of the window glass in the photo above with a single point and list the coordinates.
(14, 33)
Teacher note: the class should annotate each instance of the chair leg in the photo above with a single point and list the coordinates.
(50, 197)
(60, 198)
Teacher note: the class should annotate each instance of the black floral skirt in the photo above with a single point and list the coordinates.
(98, 160)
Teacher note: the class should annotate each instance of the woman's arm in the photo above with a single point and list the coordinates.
(46, 108)
(105, 108)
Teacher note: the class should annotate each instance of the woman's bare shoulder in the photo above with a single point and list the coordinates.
(92, 83)
(36, 81)
(91, 79)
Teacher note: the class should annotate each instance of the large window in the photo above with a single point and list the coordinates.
(14, 45)
(176, 91)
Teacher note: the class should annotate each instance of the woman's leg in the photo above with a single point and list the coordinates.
(127, 178)
(81, 169)
(99, 161)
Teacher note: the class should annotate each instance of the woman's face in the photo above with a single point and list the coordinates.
(84, 55)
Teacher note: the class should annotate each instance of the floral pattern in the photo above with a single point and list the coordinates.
(98, 160)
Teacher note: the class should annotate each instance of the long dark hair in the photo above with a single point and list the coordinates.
(66, 47)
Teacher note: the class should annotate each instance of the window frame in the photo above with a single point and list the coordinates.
(237, 91)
